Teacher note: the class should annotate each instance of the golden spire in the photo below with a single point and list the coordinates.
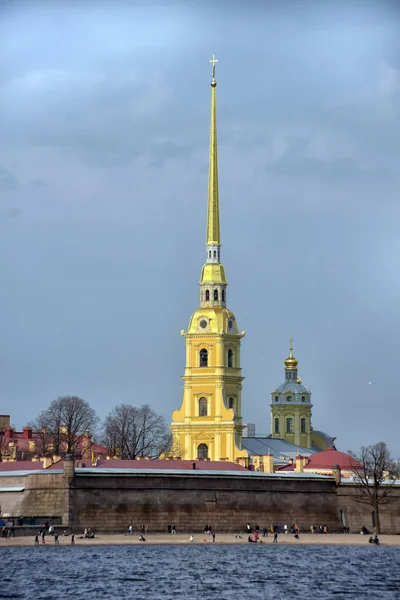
(291, 362)
(213, 237)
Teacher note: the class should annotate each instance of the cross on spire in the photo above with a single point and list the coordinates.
(291, 343)
(213, 61)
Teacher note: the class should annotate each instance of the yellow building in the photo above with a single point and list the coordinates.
(209, 422)
(291, 411)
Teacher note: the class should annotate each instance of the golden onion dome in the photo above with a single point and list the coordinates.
(291, 362)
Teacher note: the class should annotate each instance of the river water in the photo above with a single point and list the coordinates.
(195, 572)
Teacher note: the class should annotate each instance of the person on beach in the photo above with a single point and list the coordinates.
(56, 540)
(72, 539)
(275, 536)
(36, 540)
(43, 537)
(191, 538)
(142, 538)
(285, 528)
(130, 529)
(213, 536)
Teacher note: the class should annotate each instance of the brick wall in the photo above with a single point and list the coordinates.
(356, 515)
(110, 503)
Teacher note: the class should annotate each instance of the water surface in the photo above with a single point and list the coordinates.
(197, 572)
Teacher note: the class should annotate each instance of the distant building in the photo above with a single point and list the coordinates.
(291, 411)
(28, 445)
(249, 430)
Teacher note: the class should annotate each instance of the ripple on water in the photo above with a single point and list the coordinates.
(198, 572)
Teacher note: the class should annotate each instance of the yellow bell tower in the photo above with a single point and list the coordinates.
(209, 422)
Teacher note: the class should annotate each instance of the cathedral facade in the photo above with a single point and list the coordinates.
(209, 421)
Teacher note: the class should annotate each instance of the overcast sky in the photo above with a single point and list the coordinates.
(104, 124)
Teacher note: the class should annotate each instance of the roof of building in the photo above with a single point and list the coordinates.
(204, 465)
(21, 465)
(281, 450)
(295, 388)
(328, 439)
(331, 457)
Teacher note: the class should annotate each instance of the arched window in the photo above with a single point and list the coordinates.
(289, 398)
(231, 402)
(209, 253)
(289, 425)
(202, 451)
(203, 407)
(303, 398)
(216, 295)
(223, 295)
(230, 358)
(276, 425)
(203, 358)
(207, 295)
(276, 398)
(303, 425)
(215, 254)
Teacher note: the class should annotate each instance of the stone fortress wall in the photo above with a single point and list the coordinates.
(108, 502)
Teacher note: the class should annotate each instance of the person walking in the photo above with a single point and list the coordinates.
(56, 540)
(275, 537)
(213, 537)
(36, 540)
(73, 539)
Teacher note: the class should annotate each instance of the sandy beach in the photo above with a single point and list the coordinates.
(223, 538)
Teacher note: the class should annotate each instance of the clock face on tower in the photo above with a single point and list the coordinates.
(230, 324)
(203, 323)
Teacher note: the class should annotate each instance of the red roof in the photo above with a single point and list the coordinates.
(21, 465)
(203, 465)
(330, 457)
(289, 467)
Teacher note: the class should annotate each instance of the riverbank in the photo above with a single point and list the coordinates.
(223, 538)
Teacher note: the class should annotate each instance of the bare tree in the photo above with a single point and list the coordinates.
(375, 477)
(130, 432)
(63, 424)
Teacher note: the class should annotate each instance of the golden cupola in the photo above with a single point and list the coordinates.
(291, 362)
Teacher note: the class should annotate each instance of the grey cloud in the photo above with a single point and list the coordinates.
(9, 214)
(165, 151)
(39, 182)
(8, 181)
(296, 161)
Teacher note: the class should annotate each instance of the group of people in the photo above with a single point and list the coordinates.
(171, 529)
(319, 528)
(88, 533)
(374, 540)
(41, 535)
(8, 532)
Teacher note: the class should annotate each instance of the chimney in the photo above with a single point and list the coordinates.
(268, 463)
(4, 421)
(299, 464)
(69, 468)
(8, 433)
(86, 445)
(337, 474)
(27, 433)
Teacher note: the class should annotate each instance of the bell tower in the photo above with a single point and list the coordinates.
(209, 421)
